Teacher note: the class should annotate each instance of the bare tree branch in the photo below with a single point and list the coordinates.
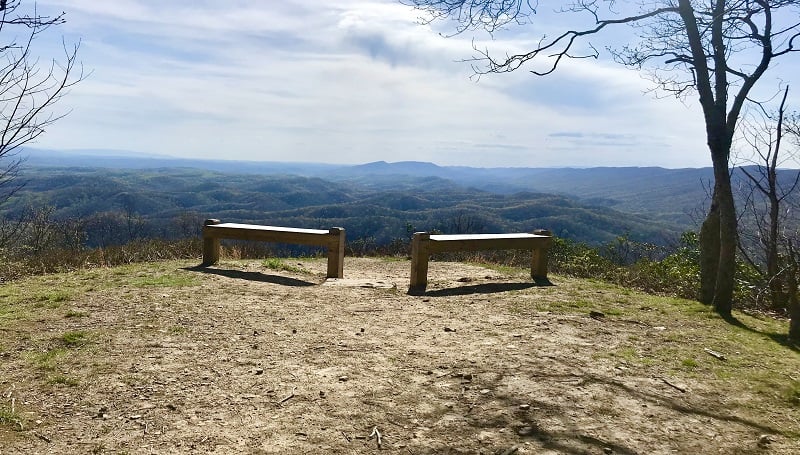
(28, 88)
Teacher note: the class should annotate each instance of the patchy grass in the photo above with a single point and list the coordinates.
(61, 379)
(75, 338)
(75, 314)
(166, 280)
(47, 360)
(53, 299)
(689, 364)
(586, 376)
(10, 417)
(791, 393)
(278, 264)
(177, 330)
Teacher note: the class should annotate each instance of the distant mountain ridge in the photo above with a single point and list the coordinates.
(674, 196)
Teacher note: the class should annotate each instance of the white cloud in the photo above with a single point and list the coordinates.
(346, 81)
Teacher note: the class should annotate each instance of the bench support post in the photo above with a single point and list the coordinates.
(539, 258)
(336, 253)
(210, 246)
(420, 253)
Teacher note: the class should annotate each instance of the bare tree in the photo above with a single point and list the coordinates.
(768, 243)
(715, 49)
(28, 87)
(766, 201)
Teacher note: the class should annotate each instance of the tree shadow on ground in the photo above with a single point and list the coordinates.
(253, 276)
(554, 426)
(780, 338)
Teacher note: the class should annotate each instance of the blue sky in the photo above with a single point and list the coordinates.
(350, 81)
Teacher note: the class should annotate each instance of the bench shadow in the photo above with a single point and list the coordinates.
(485, 288)
(253, 276)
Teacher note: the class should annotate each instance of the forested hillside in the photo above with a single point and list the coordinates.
(673, 196)
(119, 205)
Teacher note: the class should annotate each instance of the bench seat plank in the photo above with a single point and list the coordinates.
(258, 227)
(278, 234)
(521, 235)
(477, 242)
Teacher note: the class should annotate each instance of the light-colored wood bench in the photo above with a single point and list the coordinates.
(423, 244)
(332, 239)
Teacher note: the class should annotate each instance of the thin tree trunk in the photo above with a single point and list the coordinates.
(777, 295)
(793, 305)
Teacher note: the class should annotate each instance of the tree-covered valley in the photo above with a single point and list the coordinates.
(115, 206)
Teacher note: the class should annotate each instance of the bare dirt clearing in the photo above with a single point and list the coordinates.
(239, 358)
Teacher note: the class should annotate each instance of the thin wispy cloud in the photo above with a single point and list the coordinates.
(346, 81)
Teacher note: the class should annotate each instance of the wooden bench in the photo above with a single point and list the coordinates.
(332, 239)
(423, 244)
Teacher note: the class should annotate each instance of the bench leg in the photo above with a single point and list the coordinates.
(539, 258)
(420, 255)
(336, 253)
(210, 245)
(210, 251)
(539, 264)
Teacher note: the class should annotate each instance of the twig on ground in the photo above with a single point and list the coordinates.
(289, 397)
(377, 435)
(714, 354)
(43, 437)
(674, 386)
(346, 438)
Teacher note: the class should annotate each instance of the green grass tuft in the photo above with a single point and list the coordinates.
(792, 393)
(75, 314)
(47, 360)
(278, 264)
(75, 338)
(10, 417)
(63, 380)
(689, 363)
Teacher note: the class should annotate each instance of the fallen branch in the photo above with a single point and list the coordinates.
(674, 386)
(715, 354)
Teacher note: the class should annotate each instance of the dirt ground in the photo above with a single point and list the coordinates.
(251, 360)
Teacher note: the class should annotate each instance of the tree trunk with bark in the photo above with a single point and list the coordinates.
(718, 241)
(709, 252)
